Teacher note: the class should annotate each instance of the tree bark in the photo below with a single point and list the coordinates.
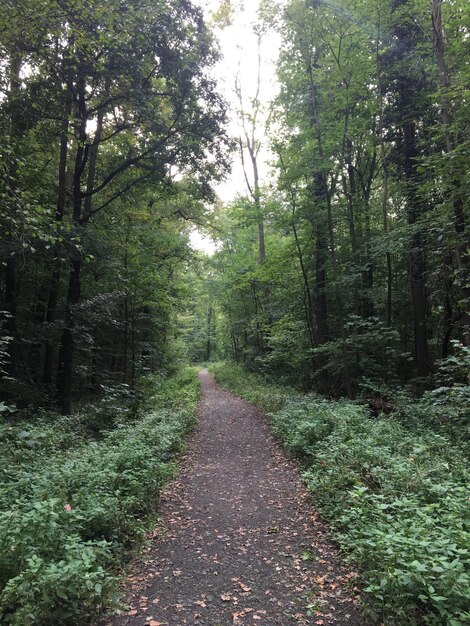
(209, 334)
(54, 284)
(67, 345)
(407, 37)
(417, 244)
(457, 199)
(320, 178)
(385, 178)
(11, 295)
(10, 307)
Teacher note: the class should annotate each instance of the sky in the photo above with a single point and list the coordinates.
(238, 45)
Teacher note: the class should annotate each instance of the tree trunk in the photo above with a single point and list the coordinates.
(447, 316)
(126, 337)
(320, 286)
(407, 39)
(417, 244)
(11, 296)
(457, 199)
(209, 334)
(339, 301)
(67, 346)
(54, 284)
(66, 352)
(325, 193)
(10, 307)
(385, 175)
(308, 304)
(349, 194)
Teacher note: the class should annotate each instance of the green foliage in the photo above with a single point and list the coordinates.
(252, 387)
(394, 488)
(72, 507)
(365, 222)
(99, 102)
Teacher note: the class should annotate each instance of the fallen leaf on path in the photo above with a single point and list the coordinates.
(238, 615)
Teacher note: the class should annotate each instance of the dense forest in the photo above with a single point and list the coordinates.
(349, 265)
(343, 274)
(112, 133)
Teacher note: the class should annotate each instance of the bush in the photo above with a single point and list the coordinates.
(72, 507)
(394, 488)
(253, 387)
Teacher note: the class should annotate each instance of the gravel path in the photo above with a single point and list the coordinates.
(238, 543)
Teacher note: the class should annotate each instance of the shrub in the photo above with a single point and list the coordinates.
(72, 507)
(394, 488)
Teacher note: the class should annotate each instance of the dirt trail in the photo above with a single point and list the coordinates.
(239, 543)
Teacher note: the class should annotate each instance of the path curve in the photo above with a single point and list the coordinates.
(239, 543)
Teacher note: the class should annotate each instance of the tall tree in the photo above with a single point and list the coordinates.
(130, 104)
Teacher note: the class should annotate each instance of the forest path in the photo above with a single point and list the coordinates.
(239, 543)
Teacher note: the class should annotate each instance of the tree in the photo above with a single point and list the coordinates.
(369, 194)
(131, 104)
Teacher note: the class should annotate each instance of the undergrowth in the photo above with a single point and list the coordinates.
(75, 498)
(394, 489)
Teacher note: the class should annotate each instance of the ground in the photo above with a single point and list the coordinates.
(239, 542)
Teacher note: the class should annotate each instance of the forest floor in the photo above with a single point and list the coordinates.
(238, 542)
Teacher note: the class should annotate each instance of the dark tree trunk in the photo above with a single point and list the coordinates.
(209, 334)
(350, 192)
(323, 191)
(234, 346)
(447, 317)
(417, 244)
(368, 308)
(49, 351)
(320, 286)
(54, 285)
(384, 166)
(407, 38)
(67, 345)
(457, 196)
(126, 338)
(10, 307)
(308, 302)
(66, 352)
(11, 295)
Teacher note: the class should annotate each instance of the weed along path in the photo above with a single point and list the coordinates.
(239, 543)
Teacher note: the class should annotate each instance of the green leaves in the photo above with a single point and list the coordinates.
(394, 489)
(69, 515)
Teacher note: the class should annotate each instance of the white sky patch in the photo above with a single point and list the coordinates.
(201, 242)
(238, 45)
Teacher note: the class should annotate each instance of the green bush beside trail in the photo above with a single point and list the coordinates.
(394, 490)
(73, 506)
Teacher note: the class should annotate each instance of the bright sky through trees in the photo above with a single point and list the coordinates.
(238, 45)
